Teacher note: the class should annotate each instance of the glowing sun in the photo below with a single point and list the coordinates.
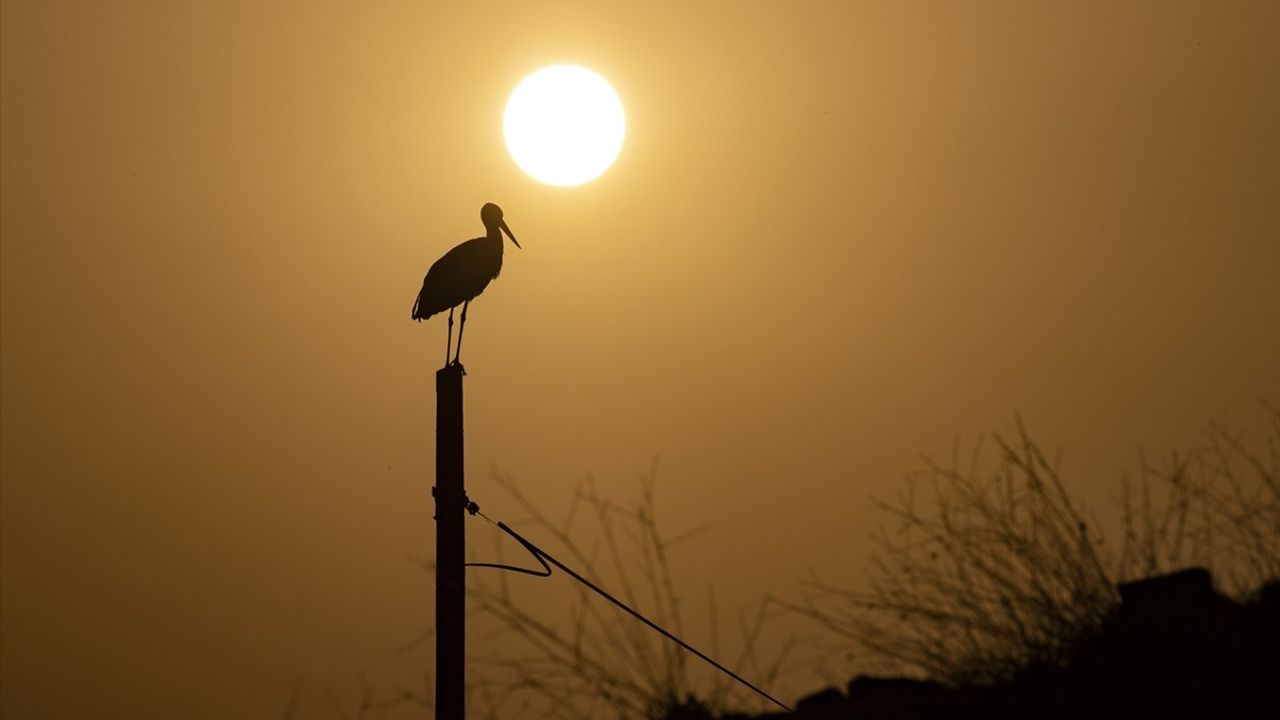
(564, 125)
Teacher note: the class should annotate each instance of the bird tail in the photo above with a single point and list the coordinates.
(427, 304)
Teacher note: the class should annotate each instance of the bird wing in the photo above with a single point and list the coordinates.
(459, 275)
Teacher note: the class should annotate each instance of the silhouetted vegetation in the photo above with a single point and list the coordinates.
(980, 576)
(987, 575)
(605, 663)
(1221, 510)
(991, 592)
(1172, 647)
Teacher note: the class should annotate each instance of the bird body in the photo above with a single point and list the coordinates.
(463, 273)
(460, 275)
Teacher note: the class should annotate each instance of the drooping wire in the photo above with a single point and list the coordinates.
(543, 558)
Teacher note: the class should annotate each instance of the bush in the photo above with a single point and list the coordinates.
(985, 575)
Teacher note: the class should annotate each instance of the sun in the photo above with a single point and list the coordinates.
(564, 125)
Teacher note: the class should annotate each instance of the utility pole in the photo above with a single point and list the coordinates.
(450, 546)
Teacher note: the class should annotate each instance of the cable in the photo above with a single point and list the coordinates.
(543, 558)
(546, 569)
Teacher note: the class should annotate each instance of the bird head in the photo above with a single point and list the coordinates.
(491, 216)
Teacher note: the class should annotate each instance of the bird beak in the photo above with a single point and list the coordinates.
(503, 224)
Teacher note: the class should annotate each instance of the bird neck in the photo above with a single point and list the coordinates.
(495, 236)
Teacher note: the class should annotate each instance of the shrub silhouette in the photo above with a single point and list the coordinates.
(984, 577)
(984, 581)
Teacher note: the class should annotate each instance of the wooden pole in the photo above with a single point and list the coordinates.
(450, 547)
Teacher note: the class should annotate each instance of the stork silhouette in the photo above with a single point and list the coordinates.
(462, 274)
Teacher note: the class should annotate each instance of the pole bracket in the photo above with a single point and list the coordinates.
(467, 503)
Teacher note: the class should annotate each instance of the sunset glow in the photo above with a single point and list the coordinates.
(873, 350)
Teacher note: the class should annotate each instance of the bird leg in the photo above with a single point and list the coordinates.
(461, 328)
(448, 345)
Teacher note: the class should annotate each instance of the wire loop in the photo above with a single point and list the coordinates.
(543, 558)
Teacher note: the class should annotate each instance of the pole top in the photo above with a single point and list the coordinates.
(451, 369)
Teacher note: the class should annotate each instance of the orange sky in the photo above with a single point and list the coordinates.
(839, 235)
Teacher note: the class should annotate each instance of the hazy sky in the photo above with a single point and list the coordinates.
(839, 235)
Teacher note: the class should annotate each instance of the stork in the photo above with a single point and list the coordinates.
(462, 274)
